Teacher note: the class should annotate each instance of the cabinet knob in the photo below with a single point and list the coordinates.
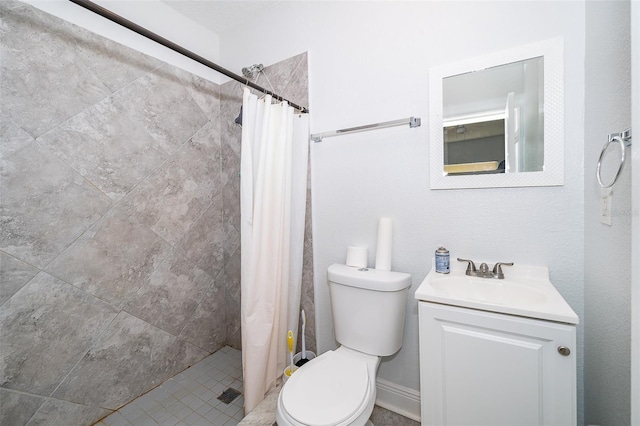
(564, 351)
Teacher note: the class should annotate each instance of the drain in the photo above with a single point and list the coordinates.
(229, 395)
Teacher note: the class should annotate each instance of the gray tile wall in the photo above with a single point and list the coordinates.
(111, 247)
(119, 214)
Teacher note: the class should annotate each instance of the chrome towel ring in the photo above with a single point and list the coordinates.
(624, 140)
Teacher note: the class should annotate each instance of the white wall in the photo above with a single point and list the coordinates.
(154, 16)
(608, 248)
(369, 62)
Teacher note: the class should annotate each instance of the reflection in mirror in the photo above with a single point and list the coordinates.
(497, 120)
(474, 148)
(493, 119)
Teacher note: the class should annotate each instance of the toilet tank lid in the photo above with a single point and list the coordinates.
(368, 278)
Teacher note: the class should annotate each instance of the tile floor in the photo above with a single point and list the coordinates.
(190, 398)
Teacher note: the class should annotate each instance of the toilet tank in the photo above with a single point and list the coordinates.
(368, 308)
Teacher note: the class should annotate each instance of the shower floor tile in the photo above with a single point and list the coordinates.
(190, 398)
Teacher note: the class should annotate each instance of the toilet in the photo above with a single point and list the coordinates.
(339, 387)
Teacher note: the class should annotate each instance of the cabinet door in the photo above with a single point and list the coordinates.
(481, 368)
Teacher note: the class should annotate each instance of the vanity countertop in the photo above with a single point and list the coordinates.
(526, 291)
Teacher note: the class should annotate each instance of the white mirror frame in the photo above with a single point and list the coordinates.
(553, 174)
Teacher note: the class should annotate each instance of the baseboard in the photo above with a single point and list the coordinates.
(399, 399)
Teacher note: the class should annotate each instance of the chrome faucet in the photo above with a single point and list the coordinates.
(484, 272)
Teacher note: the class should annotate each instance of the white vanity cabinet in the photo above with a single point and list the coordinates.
(485, 368)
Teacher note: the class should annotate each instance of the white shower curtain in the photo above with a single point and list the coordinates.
(273, 199)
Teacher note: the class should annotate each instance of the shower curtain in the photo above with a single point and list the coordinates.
(273, 169)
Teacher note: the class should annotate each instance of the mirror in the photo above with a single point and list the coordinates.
(497, 120)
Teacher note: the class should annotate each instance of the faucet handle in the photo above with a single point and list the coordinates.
(471, 267)
(497, 268)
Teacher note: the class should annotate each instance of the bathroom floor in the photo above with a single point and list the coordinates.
(202, 395)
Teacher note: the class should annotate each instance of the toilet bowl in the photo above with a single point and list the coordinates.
(338, 388)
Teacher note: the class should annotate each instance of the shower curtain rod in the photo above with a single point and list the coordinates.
(106, 13)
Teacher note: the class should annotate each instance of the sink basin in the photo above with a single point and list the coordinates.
(499, 292)
(525, 291)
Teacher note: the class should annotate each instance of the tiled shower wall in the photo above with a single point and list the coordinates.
(119, 241)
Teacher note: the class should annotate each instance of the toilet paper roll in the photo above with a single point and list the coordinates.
(357, 256)
(383, 250)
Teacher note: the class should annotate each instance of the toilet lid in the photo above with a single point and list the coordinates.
(327, 391)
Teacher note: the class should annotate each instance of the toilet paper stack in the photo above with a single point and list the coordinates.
(383, 249)
(357, 255)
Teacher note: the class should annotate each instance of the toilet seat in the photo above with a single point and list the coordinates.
(332, 390)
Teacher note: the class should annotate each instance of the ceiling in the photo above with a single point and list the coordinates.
(220, 15)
